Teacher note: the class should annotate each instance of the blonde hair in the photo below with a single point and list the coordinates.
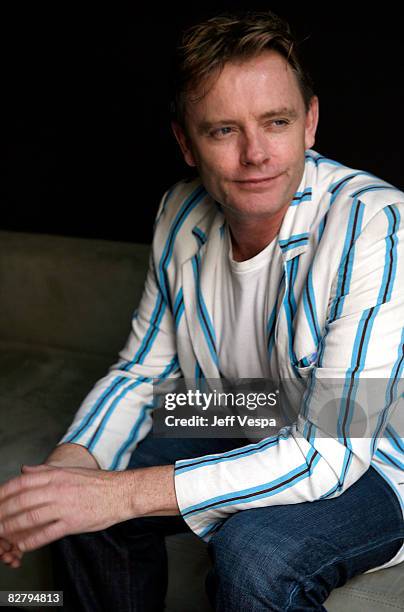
(206, 47)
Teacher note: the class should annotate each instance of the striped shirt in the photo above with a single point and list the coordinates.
(339, 315)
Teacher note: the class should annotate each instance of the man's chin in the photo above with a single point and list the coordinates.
(252, 207)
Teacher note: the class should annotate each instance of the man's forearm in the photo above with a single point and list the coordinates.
(152, 491)
(146, 491)
(72, 455)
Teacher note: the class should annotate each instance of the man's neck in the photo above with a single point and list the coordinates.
(250, 236)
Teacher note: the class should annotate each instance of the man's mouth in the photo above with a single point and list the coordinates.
(257, 181)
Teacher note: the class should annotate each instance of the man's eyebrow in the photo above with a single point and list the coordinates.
(288, 113)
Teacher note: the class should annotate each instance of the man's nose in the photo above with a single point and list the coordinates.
(255, 150)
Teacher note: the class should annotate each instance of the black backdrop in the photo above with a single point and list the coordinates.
(86, 147)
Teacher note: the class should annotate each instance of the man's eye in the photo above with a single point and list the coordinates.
(220, 132)
(279, 122)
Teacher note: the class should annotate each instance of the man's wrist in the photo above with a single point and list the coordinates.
(72, 455)
(151, 491)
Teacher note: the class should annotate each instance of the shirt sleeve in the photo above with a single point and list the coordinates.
(336, 432)
(116, 415)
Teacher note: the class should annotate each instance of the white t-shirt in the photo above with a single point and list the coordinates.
(246, 291)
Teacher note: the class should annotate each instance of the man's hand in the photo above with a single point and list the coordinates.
(48, 502)
(64, 455)
(9, 554)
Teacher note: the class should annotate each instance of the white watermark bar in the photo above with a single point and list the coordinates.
(34, 599)
(248, 409)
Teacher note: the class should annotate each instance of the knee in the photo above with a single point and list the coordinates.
(238, 548)
(259, 570)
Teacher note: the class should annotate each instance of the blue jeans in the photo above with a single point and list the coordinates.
(284, 558)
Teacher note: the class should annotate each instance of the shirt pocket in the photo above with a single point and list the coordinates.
(305, 365)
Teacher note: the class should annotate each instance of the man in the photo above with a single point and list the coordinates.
(276, 263)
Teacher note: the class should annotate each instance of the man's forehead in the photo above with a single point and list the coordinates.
(217, 99)
(267, 62)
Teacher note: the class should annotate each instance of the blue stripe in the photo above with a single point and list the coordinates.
(309, 392)
(351, 383)
(294, 241)
(336, 188)
(310, 309)
(271, 331)
(200, 235)
(363, 190)
(133, 434)
(302, 196)
(190, 203)
(334, 489)
(272, 319)
(188, 465)
(109, 412)
(178, 299)
(317, 160)
(203, 315)
(150, 335)
(321, 226)
(198, 372)
(391, 395)
(210, 529)
(254, 492)
(309, 432)
(89, 418)
(390, 265)
(347, 259)
(178, 307)
(389, 460)
(289, 304)
(393, 437)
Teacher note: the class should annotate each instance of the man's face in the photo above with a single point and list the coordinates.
(247, 136)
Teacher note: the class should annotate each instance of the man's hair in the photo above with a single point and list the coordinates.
(205, 48)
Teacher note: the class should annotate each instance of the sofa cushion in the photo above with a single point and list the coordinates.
(73, 293)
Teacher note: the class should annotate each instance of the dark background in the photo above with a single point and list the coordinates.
(86, 148)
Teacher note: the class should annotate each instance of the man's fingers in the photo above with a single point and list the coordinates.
(42, 536)
(9, 554)
(5, 546)
(23, 501)
(26, 469)
(28, 519)
(11, 560)
(25, 481)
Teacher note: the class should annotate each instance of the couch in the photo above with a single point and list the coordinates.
(66, 307)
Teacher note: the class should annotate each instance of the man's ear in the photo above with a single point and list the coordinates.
(183, 142)
(311, 122)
